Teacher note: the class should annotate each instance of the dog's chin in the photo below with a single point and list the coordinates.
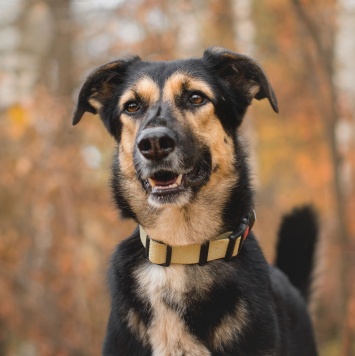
(174, 199)
(166, 187)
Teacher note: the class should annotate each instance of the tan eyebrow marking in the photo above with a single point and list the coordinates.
(145, 88)
(179, 81)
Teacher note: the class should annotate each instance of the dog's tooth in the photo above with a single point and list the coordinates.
(152, 182)
(178, 179)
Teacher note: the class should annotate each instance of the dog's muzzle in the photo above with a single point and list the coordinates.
(159, 165)
(170, 167)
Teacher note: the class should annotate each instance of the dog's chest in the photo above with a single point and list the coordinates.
(171, 293)
(165, 289)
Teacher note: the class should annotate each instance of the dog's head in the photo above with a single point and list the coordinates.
(175, 125)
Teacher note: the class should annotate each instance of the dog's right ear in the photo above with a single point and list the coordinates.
(100, 85)
(242, 72)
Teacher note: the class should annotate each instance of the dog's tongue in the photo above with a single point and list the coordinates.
(163, 183)
(165, 179)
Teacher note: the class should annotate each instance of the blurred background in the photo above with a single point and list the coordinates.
(58, 224)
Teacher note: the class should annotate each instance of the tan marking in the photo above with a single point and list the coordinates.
(200, 279)
(137, 326)
(156, 281)
(145, 88)
(131, 187)
(148, 89)
(127, 96)
(175, 83)
(230, 327)
(167, 332)
(253, 90)
(95, 103)
(170, 337)
(128, 134)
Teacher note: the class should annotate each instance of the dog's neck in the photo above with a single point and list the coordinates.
(197, 223)
(183, 226)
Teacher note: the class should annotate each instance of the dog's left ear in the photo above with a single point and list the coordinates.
(241, 72)
(100, 85)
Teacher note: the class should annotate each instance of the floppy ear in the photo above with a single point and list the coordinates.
(100, 85)
(241, 72)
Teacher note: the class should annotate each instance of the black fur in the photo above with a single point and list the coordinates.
(296, 247)
(275, 319)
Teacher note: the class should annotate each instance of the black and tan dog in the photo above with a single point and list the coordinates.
(192, 280)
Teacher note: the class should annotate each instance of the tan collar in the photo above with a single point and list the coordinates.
(224, 246)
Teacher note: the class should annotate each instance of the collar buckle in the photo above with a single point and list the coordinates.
(240, 233)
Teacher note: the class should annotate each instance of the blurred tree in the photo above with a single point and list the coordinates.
(222, 18)
(322, 63)
(299, 41)
(59, 58)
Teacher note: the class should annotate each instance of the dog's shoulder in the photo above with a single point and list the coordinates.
(128, 254)
(129, 315)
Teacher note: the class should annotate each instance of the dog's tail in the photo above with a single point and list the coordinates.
(297, 240)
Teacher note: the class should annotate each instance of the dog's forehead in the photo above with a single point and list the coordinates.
(172, 77)
(160, 71)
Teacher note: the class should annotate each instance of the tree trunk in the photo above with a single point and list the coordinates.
(61, 52)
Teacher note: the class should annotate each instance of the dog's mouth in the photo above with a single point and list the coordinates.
(170, 183)
(176, 181)
(164, 182)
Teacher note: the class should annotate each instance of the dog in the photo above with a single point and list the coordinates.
(192, 280)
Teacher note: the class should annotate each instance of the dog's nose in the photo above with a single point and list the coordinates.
(156, 143)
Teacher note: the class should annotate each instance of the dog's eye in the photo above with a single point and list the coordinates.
(197, 99)
(131, 106)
